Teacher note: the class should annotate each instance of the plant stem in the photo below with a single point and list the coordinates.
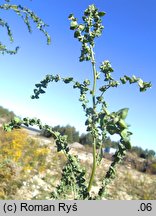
(94, 166)
(94, 77)
(93, 125)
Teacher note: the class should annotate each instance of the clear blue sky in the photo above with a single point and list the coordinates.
(128, 41)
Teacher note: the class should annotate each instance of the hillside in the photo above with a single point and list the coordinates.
(31, 168)
(5, 115)
(129, 184)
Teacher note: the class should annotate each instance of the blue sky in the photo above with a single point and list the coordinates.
(128, 41)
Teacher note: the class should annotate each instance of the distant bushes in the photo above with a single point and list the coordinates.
(146, 154)
(152, 168)
(86, 139)
(141, 164)
(72, 134)
(6, 114)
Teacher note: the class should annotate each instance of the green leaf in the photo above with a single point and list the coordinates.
(116, 119)
(81, 27)
(126, 142)
(103, 88)
(88, 121)
(86, 82)
(42, 91)
(7, 128)
(122, 124)
(135, 78)
(114, 83)
(71, 17)
(16, 120)
(100, 99)
(141, 83)
(106, 111)
(101, 13)
(143, 89)
(48, 39)
(124, 134)
(123, 113)
(26, 124)
(38, 85)
(77, 34)
(67, 80)
(73, 25)
(111, 129)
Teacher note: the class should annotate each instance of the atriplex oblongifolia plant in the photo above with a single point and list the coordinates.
(99, 121)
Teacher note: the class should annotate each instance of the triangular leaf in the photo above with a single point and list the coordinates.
(124, 134)
(101, 13)
(141, 83)
(123, 113)
(122, 124)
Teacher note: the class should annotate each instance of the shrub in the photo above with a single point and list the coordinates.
(5, 114)
(20, 156)
(152, 168)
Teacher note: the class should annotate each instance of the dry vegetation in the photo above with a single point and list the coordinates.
(30, 168)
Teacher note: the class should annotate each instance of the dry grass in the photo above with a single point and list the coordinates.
(37, 173)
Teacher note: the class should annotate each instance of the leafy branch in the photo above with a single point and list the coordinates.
(26, 15)
(73, 175)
